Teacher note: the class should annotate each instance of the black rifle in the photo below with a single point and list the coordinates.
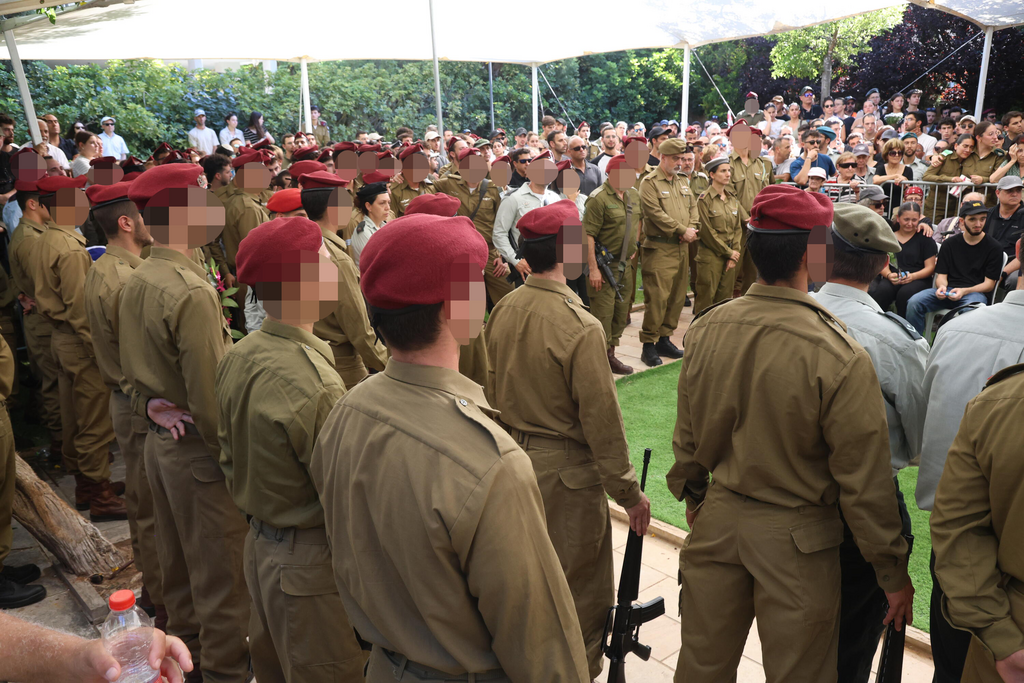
(625, 618)
(604, 261)
(890, 666)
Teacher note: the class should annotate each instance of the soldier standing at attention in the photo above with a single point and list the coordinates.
(721, 232)
(415, 169)
(347, 328)
(977, 530)
(275, 389)
(863, 241)
(670, 225)
(786, 416)
(751, 173)
(433, 512)
(565, 415)
(170, 351)
(58, 270)
(612, 217)
(127, 235)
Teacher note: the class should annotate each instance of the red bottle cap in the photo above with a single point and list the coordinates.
(122, 600)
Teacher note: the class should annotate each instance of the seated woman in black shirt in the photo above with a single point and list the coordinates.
(915, 263)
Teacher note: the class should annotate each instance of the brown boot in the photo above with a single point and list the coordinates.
(118, 487)
(84, 488)
(106, 506)
(55, 458)
(618, 367)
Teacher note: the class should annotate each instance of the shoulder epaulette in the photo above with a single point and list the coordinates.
(703, 194)
(702, 313)
(903, 325)
(1004, 373)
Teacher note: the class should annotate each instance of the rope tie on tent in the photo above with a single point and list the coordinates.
(567, 117)
(936, 65)
(726, 103)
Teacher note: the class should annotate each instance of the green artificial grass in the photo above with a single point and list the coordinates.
(648, 403)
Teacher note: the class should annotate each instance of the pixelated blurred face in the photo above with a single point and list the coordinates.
(184, 217)
(416, 167)
(501, 173)
(622, 178)
(636, 155)
(750, 106)
(739, 136)
(367, 162)
(570, 182)
(339, 208)
(756, 140)
(569, 249)
(820, 252)
(388, 166)
(347, 165)
(28, 166)
(473, 168)
(69, 207)
(467, 302)
(542, 171)
(105, 176)
(308, 291)
(253, 177)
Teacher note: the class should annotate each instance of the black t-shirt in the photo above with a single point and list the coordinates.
(915, 252)
(965, 265)
(1006, 231)
(815, 112)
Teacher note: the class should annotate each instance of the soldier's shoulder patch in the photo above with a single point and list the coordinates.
(711, 308)
(903, 325)
(999, 152)
(703, 194)
(1009, 371)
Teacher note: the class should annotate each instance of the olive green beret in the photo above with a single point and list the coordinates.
(861, 229)
(672, 146)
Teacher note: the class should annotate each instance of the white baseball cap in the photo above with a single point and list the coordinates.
(431, 135)
(817, 172)
(108, 118)
(199, 112)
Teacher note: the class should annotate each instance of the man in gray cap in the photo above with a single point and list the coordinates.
(873, 198)
(863, 241)
(201, 138)
(1005, 224)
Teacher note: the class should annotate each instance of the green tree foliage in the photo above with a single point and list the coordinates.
(817, 50)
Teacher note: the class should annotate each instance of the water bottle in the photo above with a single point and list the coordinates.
(128, 635)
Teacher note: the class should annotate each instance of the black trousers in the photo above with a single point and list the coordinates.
(862, 606)
(885, 293)
(949, 645)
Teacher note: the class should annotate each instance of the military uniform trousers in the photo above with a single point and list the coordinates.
(39, 340)
(949, 645)
(84, 407)
(714, 282)
(387, 667)
(298, 629)
(665, 271)
(7, 480)
(609, 310)
(349, 365)
(692, 249)
(579, 526)
(497, 287)
(980, 666)
(744, 558)
(200, 536)
(10, 333)
(131, 430)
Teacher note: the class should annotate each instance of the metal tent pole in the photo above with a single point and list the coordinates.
(684, 121)
(536, 94)
(490, 83)
(437, 74)
(26, 96)
(308, 125)
(983, 76)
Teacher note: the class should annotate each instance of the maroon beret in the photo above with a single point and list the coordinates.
(546, 154)
(547, 221)
(438, 204)
(245, 149)
(385, 153)
(786, 210)
(474, 136)
(375, 147)
(375, 177)
(563, 165)
(284, 201)
(258, 157)
(615, 162)
(409, 151)
(325, 154)
(172, 156)
(131, 161)
(169, 176)
(275, 251)
(102, 195)
(504, 157)
(305, 153)
(415, 261)
(51, 183)
(467, 151)
(301, 168)
(346, 147)
(262, 144)
(757, 131)
(636, 138)
(740, 122)
(103, 162)
(321, 178)
(162, 147)
(128, 177)
(27, 186)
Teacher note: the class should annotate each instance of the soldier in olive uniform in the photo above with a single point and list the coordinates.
(612, 217)
(565, 412)
(347, 328)
(780, 421)
(751, 173)
(428, 498)
(415, 169)
(58, 268)
(721, 232)
(977, 529)
(480, 201)
(275, 389)
(670, 225)
(127, 235)
(698, 182)
(170, 351)
(243, 210)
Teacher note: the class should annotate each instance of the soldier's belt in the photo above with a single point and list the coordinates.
(662, 240)
(528, 440)
(314, 536)
(404, 666)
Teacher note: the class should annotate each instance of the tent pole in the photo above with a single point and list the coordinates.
(437, 75)
(536, 92)
(490, 83)
(26, 96)
(684, 120)
(983, 76)
(305, 96)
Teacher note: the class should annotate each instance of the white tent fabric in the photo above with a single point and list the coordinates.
(994, 14)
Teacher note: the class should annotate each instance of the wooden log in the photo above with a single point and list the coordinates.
(74, 541)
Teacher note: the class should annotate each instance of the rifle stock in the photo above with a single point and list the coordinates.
(604, 260)
(622, 628)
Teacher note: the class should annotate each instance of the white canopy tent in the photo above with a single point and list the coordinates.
(110, 29)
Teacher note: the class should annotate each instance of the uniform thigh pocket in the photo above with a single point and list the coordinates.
(585, 505)
(312, 609)
(817, 546)
(211, 493)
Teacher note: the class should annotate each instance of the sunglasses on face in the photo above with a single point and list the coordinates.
(577, 148)
(895, 153)
(807, 94)
(108, 124)
(851, 165)
(827, 106)
(877, 205)
(522, 161)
